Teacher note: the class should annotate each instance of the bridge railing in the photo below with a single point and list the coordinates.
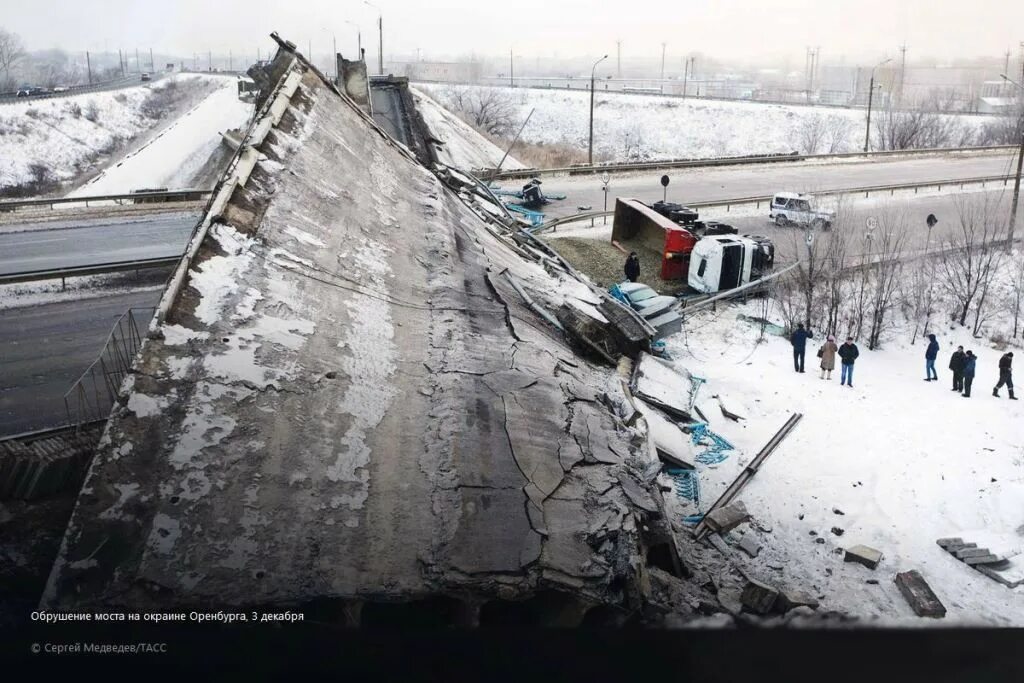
(187, 195)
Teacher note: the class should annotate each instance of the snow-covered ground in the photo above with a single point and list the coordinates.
(64, 137)
(172, 158)
(628, 126)
(463, 147)
(905, 461)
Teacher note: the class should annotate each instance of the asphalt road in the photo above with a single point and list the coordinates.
(44, 349)
(707, 184)
(91, 241)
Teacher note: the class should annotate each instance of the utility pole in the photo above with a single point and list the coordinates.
(1020, 167)
(88, 66)
(231, 61)
(663, 67)
(903, 73)
(871, 96)
(209, 60)
(138, 64)
(152, 65)
(511, 66)
(618, 59)
(686, 73)
(590, 148)
(380, 43)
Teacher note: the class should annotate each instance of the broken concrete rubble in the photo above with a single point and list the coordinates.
(451, 454)
(862, 554)
(727, 517)
(759, 597)
(919, 595)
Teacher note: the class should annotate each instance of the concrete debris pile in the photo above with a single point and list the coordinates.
(344, 401)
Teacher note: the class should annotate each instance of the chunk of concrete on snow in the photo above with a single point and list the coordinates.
(988, 558)
(662, 384)
(727, 517)
(791, 598)
(759, 597)
(919, 595)
(671, 444)
(862, 554)
(749, 545)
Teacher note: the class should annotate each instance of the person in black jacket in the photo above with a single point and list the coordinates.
(969, 362)
(799, 341)
(956, 364)
(632, 267)
(848, 352)
(1005, 375)
(930, 354)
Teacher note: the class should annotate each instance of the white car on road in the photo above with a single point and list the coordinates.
(791, 208)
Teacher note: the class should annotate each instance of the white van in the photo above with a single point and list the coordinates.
(791, 208)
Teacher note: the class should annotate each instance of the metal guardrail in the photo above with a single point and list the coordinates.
(127, 81)
(93, 394)
(758, 200)
(188, 195)
(732, 161)
(93, 269)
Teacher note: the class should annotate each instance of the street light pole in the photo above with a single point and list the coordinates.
(590, 149)
(871, 97)
(1020, 166)
(380, 37)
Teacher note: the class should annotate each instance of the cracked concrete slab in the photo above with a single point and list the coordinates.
(351, 404)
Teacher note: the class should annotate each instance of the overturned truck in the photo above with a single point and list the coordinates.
(345, 404)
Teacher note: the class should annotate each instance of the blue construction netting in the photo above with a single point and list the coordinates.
(717, 447)
(687, 484)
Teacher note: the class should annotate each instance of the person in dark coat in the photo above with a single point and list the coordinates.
(799, 341)
(632, 267)
(969, 362)
(848, 352)
(930, 354)
(1005, 375)
(956, 364)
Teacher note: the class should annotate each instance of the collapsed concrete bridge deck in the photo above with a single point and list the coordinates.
(344, 401)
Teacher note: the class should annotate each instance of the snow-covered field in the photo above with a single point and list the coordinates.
(905, 462)
(463, 147)
(628, 126)
(64, 137)
(172, 158)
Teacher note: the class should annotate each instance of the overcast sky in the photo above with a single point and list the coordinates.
(860, 30)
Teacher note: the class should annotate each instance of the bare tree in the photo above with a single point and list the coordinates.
(970, 255)
(1004, 130)
(11, 52)
(887, 242)
(491, 110)
(837, 134)
(811, 133)
(834, 274)
(808, 250)
(926, 127)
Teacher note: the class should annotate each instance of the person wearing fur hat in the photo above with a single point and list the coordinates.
(827, 354)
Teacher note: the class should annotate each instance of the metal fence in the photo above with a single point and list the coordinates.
(93, 395)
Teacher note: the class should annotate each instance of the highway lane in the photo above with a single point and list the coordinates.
(707, 184)
(97, 240)
(45, 348)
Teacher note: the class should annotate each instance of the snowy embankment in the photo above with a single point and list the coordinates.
(463, 147)
(894, 463)
(632, 127)
(58, 140)
(177, 154)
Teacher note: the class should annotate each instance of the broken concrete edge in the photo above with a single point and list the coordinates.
(862, 554)
(919, 595)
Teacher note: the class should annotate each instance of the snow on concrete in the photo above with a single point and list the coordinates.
(178, 153)
(66, 134)
(463, 147)
(629, 126)
(905, 461)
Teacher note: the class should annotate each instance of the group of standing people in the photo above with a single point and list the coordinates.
(962, 363)
(847, 353)
(963, 366)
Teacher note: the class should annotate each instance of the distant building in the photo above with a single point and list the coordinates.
(452, 72)
(997, 97)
